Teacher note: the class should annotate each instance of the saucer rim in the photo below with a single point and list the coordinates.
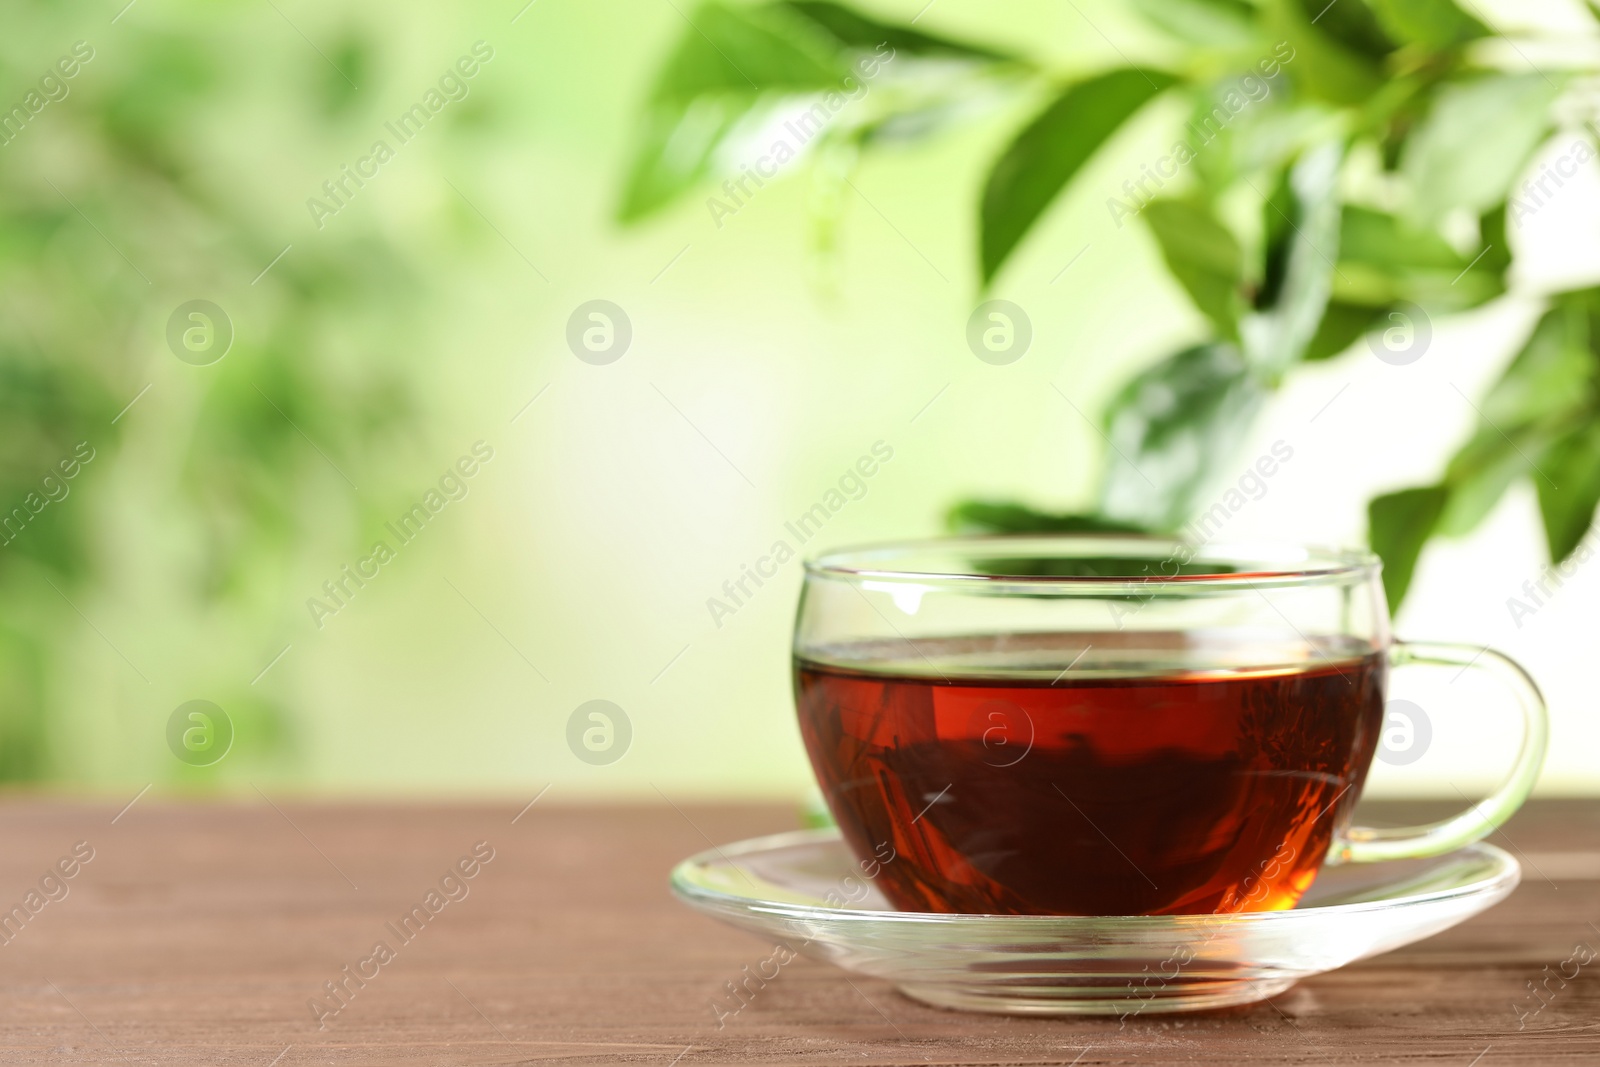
(1506, 877)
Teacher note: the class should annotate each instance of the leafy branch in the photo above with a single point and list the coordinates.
(1346, 173)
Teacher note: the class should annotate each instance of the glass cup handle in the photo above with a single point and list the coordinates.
(1362, 844)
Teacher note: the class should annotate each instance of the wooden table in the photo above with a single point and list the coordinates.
(198, 932)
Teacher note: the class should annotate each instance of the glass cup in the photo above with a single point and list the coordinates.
(1112, 725)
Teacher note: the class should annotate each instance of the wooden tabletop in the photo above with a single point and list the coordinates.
(199, 933)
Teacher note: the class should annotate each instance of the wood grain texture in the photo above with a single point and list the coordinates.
(198, 933)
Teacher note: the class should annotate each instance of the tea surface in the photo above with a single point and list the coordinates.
(1092, 774)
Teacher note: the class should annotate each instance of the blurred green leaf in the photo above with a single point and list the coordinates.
(1568, 500)
(1435, 24)
(1301, 223)
(676, 148)
(1554, 371)
(1262, 138)
(1050, 150)
(1277, 228)
(1203, 256)
(724, 65)
(1355, 26)
(1477, 138)
(1384, 259)
(1481, 471)
(1334, 56)
(1379, 239)
(855, 30)
(25, 656)
(1342, 325)
(987, 517)
(1396, 121)
(1000, 517)
(1385, 262)
(153, 102)
(747, 49)
(1173, 427)
(1398, 525)
(47, 408)
(1496, 255)
(918, 121)
(1209, 23)
(1545, 391)
(347, 68)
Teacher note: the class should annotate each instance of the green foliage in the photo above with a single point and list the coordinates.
(737, 63)
(1050, 150)
(1171, 426)
(703, 92)
(1353, 27)
(1475, 139)
(1204, 256)
(775, 51)
(1433, 24)
(1301, 220)
(1399, 524)
(1384, 260)
(981, 516)
(1540, 421)
(109, 218)
(1336, 251)
(1207, 23)
(676, 148)
(851, 29)
(1337, 56)
(1342, 325)
(1568, 500)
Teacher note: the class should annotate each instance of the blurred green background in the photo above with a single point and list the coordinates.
(430, 313)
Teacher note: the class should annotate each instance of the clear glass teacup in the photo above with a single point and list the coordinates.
(1112, 725)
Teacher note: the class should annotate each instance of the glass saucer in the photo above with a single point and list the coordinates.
(804, 889)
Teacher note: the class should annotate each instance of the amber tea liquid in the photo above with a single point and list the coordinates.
(1092, 774)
